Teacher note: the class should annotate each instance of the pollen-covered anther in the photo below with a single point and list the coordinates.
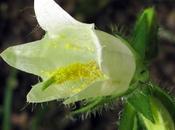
(76, 71)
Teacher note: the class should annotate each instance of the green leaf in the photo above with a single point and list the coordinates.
(141, 103)
(140, 36)
(144, 38)
(128, 118)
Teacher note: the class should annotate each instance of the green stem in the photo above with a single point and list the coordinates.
(11, 83)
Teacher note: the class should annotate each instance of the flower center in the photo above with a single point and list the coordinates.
(76, 71)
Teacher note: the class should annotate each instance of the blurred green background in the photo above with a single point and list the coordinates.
(18, 25)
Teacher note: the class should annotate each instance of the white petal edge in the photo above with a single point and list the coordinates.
(98, 89)
(54, 92)
(52, 18)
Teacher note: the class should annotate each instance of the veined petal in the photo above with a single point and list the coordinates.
(118, 62)
(52, 17)
(70, 46)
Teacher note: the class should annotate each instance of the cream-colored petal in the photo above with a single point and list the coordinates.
(116, 59)
(52, 17)
(53, 92)
(98, 89)
(72, 45)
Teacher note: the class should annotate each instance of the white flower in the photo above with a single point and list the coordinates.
(74, 60)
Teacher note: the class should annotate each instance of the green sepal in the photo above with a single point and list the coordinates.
(128, 119)
(90, 106)
(144, 38)
(93, 105)
(140, 101)
(166, 99)
(162, 118)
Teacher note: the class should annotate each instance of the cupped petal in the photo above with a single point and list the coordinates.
(52, 17)
(116, 59)
(72, 45)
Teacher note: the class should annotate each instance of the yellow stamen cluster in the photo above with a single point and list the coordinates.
(77, 71)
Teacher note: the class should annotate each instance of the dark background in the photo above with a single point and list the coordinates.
(18, 25)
